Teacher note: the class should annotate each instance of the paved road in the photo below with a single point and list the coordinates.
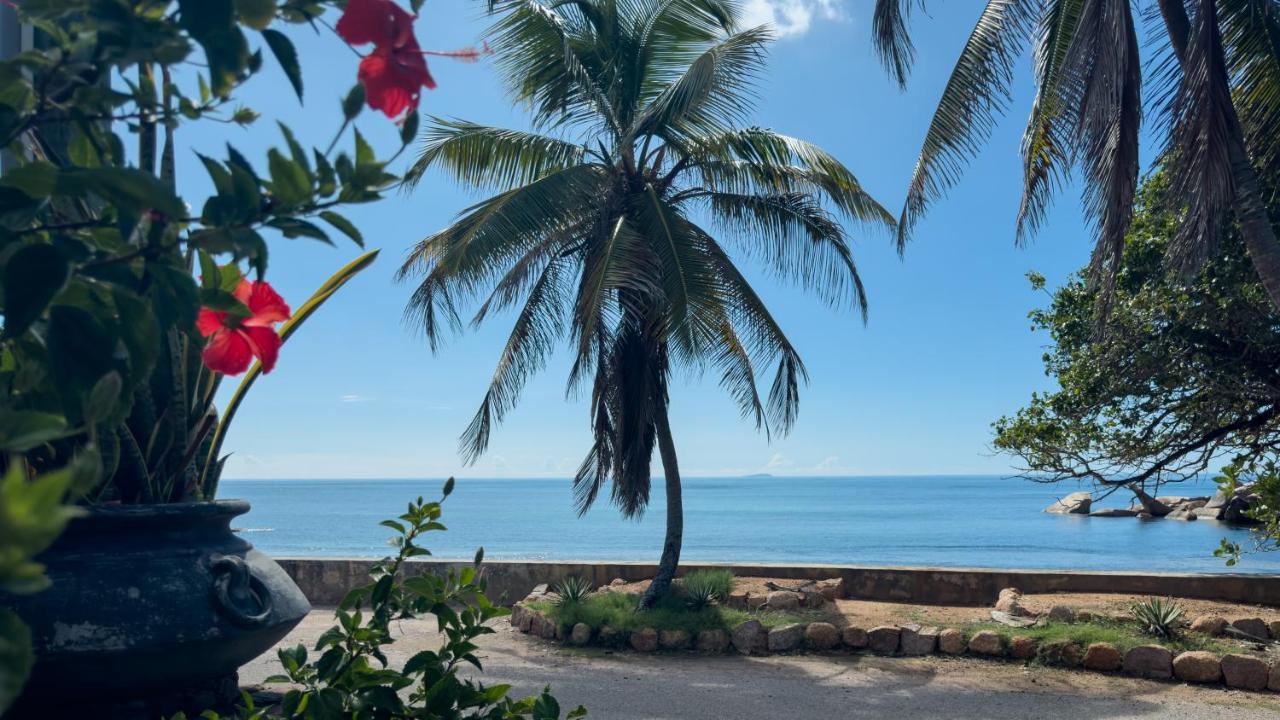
(625, 686)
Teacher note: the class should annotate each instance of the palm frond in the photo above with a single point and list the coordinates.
(1251, 36)
(891, 39)
(1046, 143)
(487, 157)
(1204, 123)
(976, 92)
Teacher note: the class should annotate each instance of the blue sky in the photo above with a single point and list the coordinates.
(357, 393)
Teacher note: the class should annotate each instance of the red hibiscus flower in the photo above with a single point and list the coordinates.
(232, 342)
(395, 72)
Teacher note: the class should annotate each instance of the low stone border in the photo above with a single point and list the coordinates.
(1155, 662)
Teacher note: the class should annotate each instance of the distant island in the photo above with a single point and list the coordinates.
(759, 475)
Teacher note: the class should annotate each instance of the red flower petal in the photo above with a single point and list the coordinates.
(265, 303)
(209, 321)
(266, 345)
(380, 22)
(227, 352)
(393, 79)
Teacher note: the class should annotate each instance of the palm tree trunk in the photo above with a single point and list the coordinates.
(1251, 210)
(675, 514)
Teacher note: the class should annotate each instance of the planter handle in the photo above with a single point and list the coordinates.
(238, 595)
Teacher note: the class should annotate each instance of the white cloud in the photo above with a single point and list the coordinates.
(353, 398)
(789, 18)
(828, 463)
(778, 462)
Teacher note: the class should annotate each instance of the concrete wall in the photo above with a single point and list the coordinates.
(326, 580)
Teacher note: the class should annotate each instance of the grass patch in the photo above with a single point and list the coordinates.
(1122, 635)
(618, 611)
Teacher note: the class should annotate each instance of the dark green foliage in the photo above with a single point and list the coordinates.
(349, 675)
(573, 589)
(671, 612)
(1158, 616)
(704, 588)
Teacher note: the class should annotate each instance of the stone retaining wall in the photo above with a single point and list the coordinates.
(325, 580)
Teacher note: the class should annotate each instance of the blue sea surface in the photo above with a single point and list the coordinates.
(956, 521)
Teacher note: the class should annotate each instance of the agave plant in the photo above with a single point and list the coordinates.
(1158, 616)
(705, 588)
(572, 589)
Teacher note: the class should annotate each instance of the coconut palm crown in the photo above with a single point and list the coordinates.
(1216, 84)
(616, 224)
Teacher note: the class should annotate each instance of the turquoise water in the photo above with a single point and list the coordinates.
(966, 521)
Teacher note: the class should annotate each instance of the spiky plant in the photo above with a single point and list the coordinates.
(704, 588)
(572, 589)
(1157, 616)
(617, 225)
(1218, 76)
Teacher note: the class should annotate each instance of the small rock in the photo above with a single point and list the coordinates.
(645, 640)
(673, 639)
(1085, 616)
(1010, 601)
(755, 602)
(1022, 647)
(1197, 666)
(539, 589)
(737, 600)
(854, 637)
(786, 638)
(1245, 672)
(1077, 503)
(1102, 657)
(712, 641)
(1149, 661)
(821, 636)
(916, 640)
(812, 599)
(1064, 653)
(1144, 516)
(783, 600)
(538, 624)
(750, 638)
(951, 642)
(580, 635)
(607, 636)
(1273, 627)
(1251, 626)
(1274, 682)
(617, 581)
(1062, 614)
(883, 639)
(517, 612)
(1208, 625)
(831, 589)
(1113, 512)
(986, 642)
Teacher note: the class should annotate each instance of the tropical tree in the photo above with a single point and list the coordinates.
(617, 221)
(1218, 80)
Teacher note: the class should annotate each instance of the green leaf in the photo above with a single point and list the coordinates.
(344, 225)
(409, 130)
(22, 430)
(289, 181)
(128, 188)
(257, 14)
(33, 276)
(103, 398)
(354, 102)
(16, 657)
(37, 179)
(286, 55)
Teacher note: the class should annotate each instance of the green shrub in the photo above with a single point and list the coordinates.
(1158, 616)
(618, 611)
(703, 588)
(572, 589)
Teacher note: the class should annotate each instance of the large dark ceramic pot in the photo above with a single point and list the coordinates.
(153, 606)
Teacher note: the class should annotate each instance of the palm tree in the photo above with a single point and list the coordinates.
(616, 223)
(1218, 80)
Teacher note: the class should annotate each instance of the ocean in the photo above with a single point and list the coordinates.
(941, 521)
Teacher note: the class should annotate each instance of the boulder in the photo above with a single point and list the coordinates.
(1114, 512)
(1274, 682)
(1197, 666)
(645, 640)
(783, 600)
(786, 638)
(1245, 672)
(712, 641)
(883, 639)
(1273, 628)
(618, 581)
(916, 640)
(1064, 653)
(517, 611)
(1149, 661)
(1077, 503)
(1102, 657)
(1086, 616)
(1209, 625)
(951, 642)
(1010, 601)
(1062, 614)
(1022, 647)
(831, 589)
(673, 639)
(737, 600)
(821, 636)
(580, 635)
(607, 636)
(854, 637)
(1252, 626)
(750, 638)
(986, 642)
(812, 599)
(755, 602)
(1230, 509)
(1188, 514)
(1151, 506)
